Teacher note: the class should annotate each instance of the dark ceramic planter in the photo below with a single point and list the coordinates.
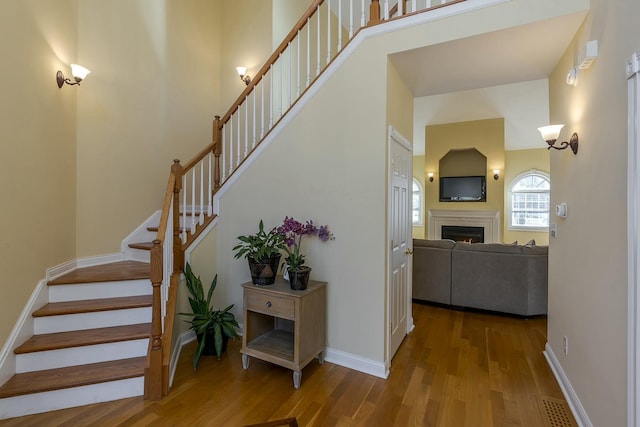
(264, 273)
(299, 279)
(210, 344)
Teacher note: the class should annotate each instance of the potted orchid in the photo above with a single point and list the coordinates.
(293, 231)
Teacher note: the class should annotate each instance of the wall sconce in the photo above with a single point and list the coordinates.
(550, 135)
(430, 175)
(496, 174)
(77, 71)
(242, 72)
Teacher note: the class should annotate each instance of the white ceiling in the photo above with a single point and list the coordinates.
(522, 53)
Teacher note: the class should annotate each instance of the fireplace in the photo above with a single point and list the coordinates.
(489, 220)
(463, 233)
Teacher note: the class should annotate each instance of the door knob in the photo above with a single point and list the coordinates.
(409, 251)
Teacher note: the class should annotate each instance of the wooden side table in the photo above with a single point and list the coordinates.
(283, 326)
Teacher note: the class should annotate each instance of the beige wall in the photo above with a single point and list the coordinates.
(247, 45)
(38, 134)
(353, 264)
(151, 96)
(418, 232)
(588, 259)
(516, 163)
(486, 136)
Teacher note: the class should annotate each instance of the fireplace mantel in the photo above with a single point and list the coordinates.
(488, 219)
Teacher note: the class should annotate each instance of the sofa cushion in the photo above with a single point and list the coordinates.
(488, 247)
(440, 244)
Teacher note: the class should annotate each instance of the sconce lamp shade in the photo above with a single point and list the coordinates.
(551, 132)
(242, 72)
(79, 72)
(496, 174)
(550, 135)
(430, 175)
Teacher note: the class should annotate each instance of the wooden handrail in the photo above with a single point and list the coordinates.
(272, 59)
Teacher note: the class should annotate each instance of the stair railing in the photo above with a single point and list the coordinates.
(315, 41)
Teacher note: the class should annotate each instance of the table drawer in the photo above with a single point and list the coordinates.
(272, 305)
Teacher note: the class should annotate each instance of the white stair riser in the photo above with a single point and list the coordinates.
(71, 397)
(85, 291)
(140, 255)
(64, 357)
(99, 319)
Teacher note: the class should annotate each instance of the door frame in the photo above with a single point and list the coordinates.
(395, 137)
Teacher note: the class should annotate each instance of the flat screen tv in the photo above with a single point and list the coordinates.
(463, 189)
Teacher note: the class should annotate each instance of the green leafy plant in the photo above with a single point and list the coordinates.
(261, 245)
(205, 318)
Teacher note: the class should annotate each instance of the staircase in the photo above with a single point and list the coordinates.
(90, 342)
(93, 341)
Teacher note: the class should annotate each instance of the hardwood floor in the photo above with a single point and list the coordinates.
(456, 369)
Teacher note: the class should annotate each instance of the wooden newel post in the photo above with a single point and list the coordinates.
(178, 254)
(374, 12)
(217, 151)
(153, 374)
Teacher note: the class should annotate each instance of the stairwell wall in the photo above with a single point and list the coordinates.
(151, 97)
(38, 134)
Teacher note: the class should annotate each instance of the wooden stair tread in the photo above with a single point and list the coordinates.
(145, 246)
(93, 305)
(58, 340)
(117, 271)
(73, 376)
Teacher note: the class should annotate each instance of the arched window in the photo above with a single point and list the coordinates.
(529, 201)
(418, 198)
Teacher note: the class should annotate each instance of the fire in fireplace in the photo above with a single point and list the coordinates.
(463, 233)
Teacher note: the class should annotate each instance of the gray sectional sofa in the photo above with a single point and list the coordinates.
(496, 277)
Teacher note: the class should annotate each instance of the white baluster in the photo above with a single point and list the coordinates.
(262, 109)
(231, 155)
(339, 26)
(386, 10)
(272, 100)
(318, 44)
(253, 143)
(225, 153)
(193, 200)
(201, 217)
(290, 76)
(238, 138)
(350, 19)
(414, 6)
(246, 126)
(362, 18)
(183, 225)
(309, 52)
(210, 187)
(298, 68)
(400, 7)
(328, 31)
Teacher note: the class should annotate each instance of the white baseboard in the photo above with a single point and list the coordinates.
(567, 389)
(356, 363)
(183, 339)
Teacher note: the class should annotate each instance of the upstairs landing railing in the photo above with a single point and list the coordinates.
(315, 41)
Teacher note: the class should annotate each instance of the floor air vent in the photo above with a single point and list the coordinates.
(555, 412)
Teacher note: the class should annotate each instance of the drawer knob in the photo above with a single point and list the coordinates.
(268, 304)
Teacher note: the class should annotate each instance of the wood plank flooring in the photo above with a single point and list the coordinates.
(456, 369)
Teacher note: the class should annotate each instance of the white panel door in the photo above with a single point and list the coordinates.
(400, 192)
